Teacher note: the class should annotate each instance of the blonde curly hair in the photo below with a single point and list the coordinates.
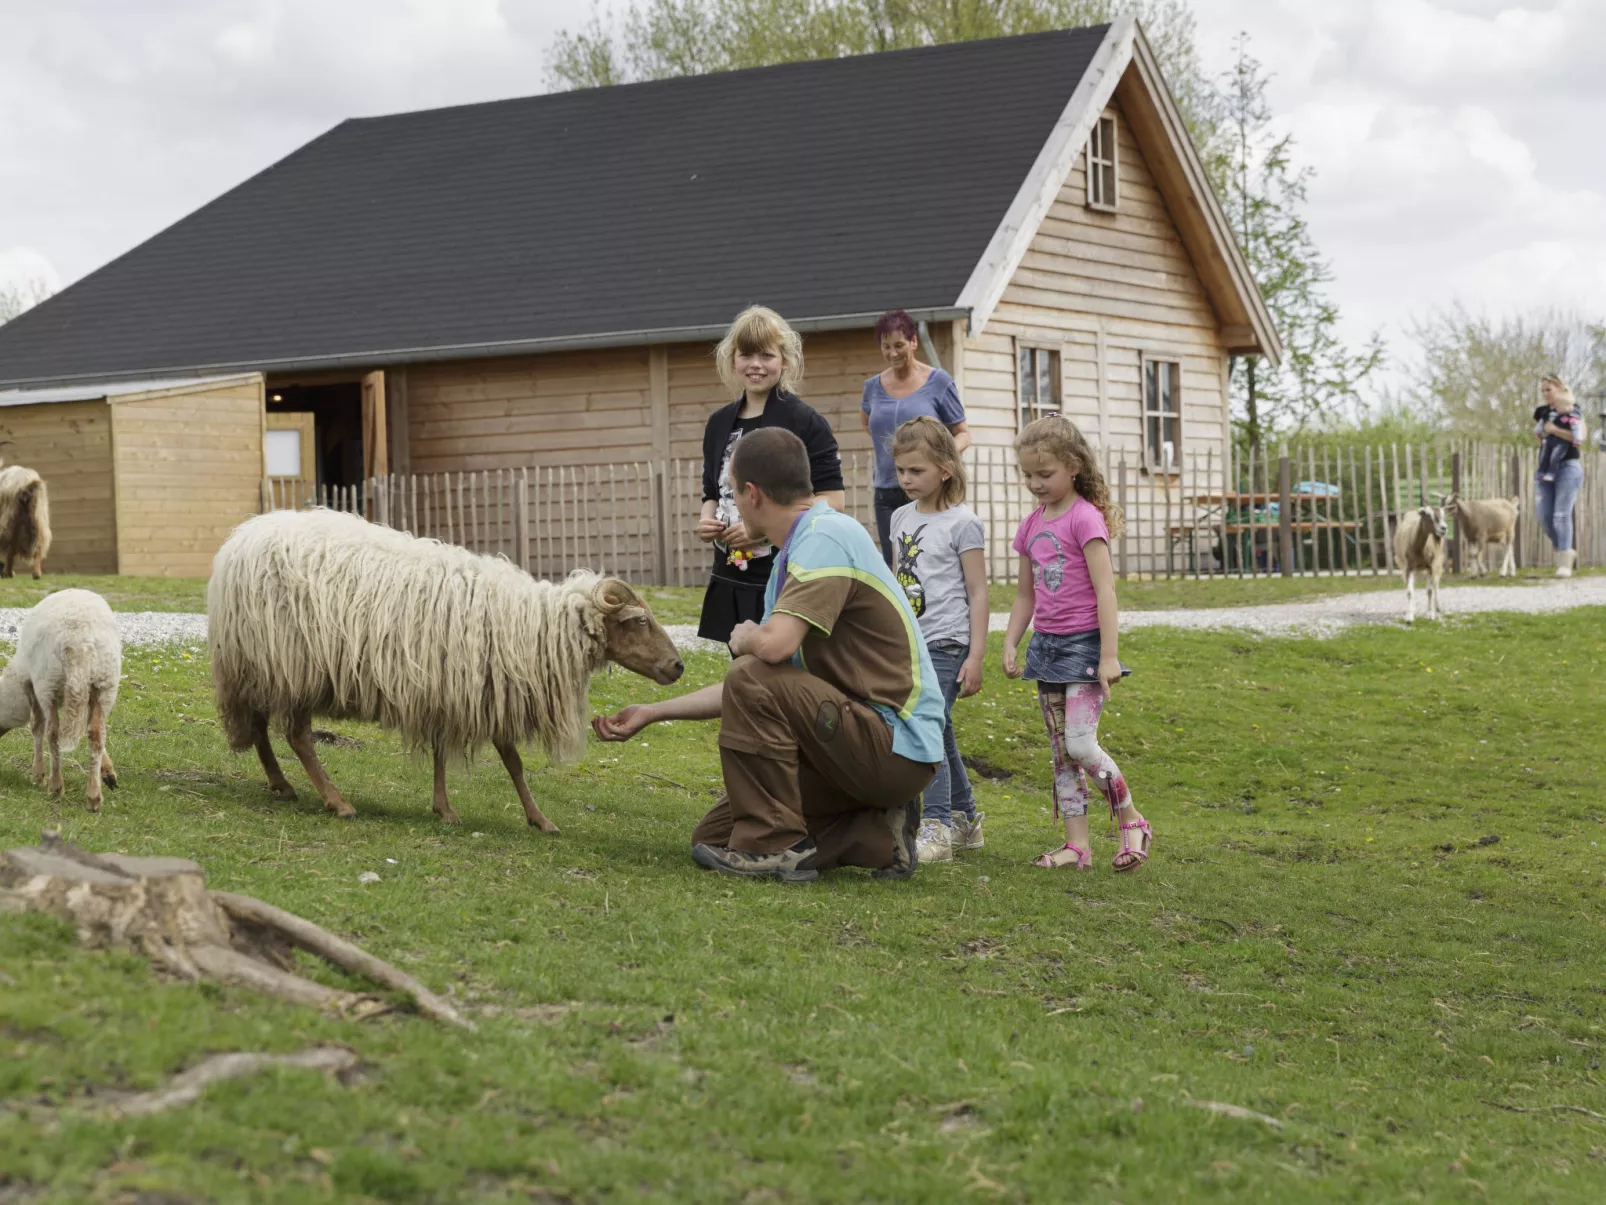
(759, 328)
(1056, 436)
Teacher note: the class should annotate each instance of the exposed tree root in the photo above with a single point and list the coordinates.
(186, 1087)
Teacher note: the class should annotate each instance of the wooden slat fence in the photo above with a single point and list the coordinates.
(1206, 518)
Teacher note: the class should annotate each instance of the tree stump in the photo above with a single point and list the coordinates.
(161, 908)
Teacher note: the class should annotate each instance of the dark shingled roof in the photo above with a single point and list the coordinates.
(835, 187)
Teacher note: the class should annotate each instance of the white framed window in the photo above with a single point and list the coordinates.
(1038, 382)
(1162, 415)
(1101, 165)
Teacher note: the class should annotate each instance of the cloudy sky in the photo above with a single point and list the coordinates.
(1455, 141)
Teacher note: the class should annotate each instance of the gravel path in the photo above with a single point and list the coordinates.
(1323, 617)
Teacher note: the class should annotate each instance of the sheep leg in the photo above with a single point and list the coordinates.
(1410, 596)
(299, 733)
(277, 782)
(53, 739)
(443, 809)
(38, 564)
(36, 728)
(515, 771)
(97, 750)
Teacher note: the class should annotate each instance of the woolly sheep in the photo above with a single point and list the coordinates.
(317, 613)
(62, 682)
(1419, 544)
(1490, 521)
(24, 519)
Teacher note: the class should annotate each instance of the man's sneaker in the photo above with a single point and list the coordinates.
(795, 865)
(967, 831)
(904, 821)
(935, 841)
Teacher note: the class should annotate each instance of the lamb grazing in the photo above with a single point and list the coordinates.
(24, 519)
(1419, 544)
(1486, 522)
(317, 613)
(63, 681)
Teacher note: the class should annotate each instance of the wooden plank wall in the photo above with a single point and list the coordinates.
(1118, 283)
(69, 445)
(188, 469)
(598, 406)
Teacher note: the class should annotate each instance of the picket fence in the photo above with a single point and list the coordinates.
(1311, 510)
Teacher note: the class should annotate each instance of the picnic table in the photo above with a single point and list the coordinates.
(1233, 514)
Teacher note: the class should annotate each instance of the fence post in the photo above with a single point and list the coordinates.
(1516, 489)
(1455, 488)
(1285, 515)
(521, 519)
(1120, 488)
(660, 523)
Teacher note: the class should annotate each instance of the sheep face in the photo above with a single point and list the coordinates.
(633, 638)
(1433, 516)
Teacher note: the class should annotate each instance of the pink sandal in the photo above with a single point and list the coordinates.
(1066, 855)
(1135, 857)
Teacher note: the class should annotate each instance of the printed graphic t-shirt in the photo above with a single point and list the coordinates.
(927, 548)
(863, 637)
(1065, 599)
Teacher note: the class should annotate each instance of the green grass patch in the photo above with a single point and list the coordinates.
(183, 594)
(1373, 913)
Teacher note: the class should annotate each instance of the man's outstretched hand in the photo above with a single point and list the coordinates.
(624, 724)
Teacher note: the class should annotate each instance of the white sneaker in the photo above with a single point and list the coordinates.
(967, 832)
(935, 841)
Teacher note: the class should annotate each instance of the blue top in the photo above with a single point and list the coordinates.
(863, 637)
(938, 398)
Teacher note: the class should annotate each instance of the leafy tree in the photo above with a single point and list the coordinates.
(1264, 196)
(1482, 374)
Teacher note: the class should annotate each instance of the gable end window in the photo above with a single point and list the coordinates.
(1101, 161)
(1038, 390)
(1162, 415)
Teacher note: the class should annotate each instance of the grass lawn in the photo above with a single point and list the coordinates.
(123, 593)
(1373, 913)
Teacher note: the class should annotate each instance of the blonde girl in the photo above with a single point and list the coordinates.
(937, 558)
(1066, 592)
(760, 360)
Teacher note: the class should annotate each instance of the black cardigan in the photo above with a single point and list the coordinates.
(780, 410)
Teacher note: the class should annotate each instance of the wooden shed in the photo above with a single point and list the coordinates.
(536, 285)
(144, 477)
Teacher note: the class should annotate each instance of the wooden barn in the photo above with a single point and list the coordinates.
(521, 298)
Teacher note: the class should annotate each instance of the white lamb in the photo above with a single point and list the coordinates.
(62, 682)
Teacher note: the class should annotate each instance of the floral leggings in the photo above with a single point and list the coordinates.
(1071, 712)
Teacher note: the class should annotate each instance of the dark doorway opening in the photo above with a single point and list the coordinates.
(337, 427)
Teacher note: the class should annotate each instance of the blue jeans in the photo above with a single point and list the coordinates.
(1553, 500)
(950, 789)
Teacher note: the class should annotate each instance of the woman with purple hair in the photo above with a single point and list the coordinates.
(907, 389)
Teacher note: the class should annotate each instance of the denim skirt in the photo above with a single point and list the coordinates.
(1065, 659)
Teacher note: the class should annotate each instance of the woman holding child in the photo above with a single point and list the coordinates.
(906, 389)
(760, 359)
(1560, 431)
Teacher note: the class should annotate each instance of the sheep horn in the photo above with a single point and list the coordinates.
(607, 599)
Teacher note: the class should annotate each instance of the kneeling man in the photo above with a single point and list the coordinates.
(830, 716)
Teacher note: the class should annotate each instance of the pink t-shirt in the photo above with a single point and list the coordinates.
(1065, 599)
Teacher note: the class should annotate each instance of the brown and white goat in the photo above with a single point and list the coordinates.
(1486, 522)
(24, 519)
(1419, 545)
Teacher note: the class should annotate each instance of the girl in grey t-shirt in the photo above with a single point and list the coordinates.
(937, 558)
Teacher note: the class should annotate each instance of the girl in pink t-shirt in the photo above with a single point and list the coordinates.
(1066, 591)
